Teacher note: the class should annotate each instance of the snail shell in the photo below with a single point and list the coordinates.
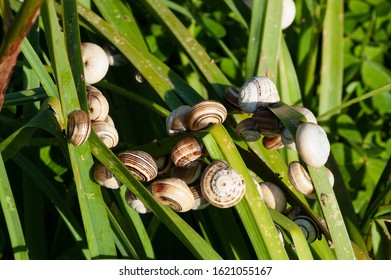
(189, 175)
(97, 104)
(105, 178)
(96, 63)
(176, 121)
(231, 95)
(164, 165)
(187, 152)
(267, 122)
(200, 201)
(273, 196)
(174, 193)
(309, 116)
(258, 91)
(272, 143)
(288, 13)
(222, 186)
(287, 139)
(206, 113)
(140, 164)
(247, 130)
(79, 127)
(106, 132)
(312, 144)
(301, 180)
(114, 56)
(135, 203)
(309, 228)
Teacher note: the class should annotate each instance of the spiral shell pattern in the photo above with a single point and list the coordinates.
(140, 164)
(98, 105)
(106, 132)
(309, 228)
(105, 178)
(79, 127)
(247, 130)
(187, 152)
(206, 113)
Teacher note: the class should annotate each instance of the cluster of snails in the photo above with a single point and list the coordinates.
(80, 122)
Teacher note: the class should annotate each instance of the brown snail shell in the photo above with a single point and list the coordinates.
(206, 113)
(98, 105)
(174, 193)
(189, 175)
(247, 130)
(105, 178)
(222, 186)
(273, 196)
(140, 164)
(272, 143)
(176, 121)
(268, 123)
(106, 132)
(135, 203)
(187, 152)
(200, 201)
(79, 127)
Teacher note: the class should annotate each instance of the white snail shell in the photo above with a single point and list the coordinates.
(288, 13)
(135, 203)
(174, 193)
(106, 132)
(176, 121)
(105, 178)
(257, 92)
(272, 143)
(312, 144)
(187, 152)
(200, 201)
(79, 127)
(247, 130)
(206, 113)
(98, 105)
(309, 228)
(273, 196)
(301, 180)
(222, 186)
(96, 63)
(140, 164)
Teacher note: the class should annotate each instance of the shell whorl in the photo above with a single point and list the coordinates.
(140, 164)
(206, 113)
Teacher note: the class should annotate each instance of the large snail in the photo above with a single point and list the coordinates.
(206, 113)
(187, 152)
(96, 63)
(140, 164)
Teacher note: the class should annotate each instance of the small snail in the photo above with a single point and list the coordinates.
(231, 95)
(135, 203)
(189, 175)
(187, 152)
(301, 180)
(206, 113)
(273, 196)
(96, 63)
(164, 165)
(272, 143)
(309, 228)
(258, 92)
(97, 104)
(200, 201)
(267, 123)
(106, 132)
(79, 127)
(312, 144)
(247, 130)
(174, 193)
(222, 186)
(105, 178)
(140, 164)
(288, 13)
(176, 121)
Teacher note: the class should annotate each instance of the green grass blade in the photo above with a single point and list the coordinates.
(25, 96)
(11, 216)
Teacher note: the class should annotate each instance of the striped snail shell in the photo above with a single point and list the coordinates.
(189, 175)
(104, 177)
(247, 130)
(272, 143)
(301, 180)
(174, 193)
(187, 152)
(164, 165)
(231, 95)
(257, 92)
(106, 132)
(98, 105)
(273, 196)
(79, 127)
(206, 113)
(309, 227)
(176, 121)
(140, 164)
(267, 122)
(200, 201)
(135, 203)
(222, 186)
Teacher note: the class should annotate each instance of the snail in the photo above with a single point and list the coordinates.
(164, 165)
(187, 152)
(309, 228)
(97, 104)
(95, 61)
(267, 123)
(231, 95)
(257, 92)
(273, 196)
(189, 175)
(174, 193)
(247, 130)
(105, 178)
(221, 185)
(288, 13)
(206, 113)
(114, 56)
(176, 121)
(106, 132)
(140, 164)
(79, 127)
(200, 201)
(135, 203)
(312, 144)
(301, 180)
(272, 143)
